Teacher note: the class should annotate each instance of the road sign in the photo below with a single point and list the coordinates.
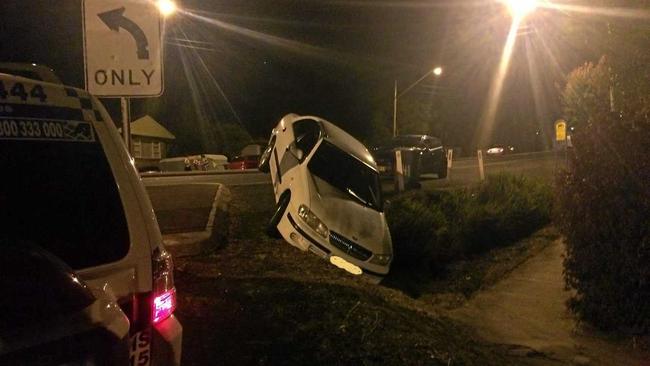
(560, 130)
(122, 48)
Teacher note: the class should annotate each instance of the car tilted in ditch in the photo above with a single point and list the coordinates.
(328, 195)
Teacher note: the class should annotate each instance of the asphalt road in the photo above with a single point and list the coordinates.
(182, 208)
(182, 201)
(464, 171)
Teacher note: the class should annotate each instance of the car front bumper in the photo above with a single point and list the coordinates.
(300, 236)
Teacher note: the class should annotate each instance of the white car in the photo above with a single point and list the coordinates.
(328, 195)
(70, 187)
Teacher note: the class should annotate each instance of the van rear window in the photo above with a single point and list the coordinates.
(59, 192)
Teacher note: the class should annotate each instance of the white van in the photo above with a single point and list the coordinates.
(70, 187)
(328, 195)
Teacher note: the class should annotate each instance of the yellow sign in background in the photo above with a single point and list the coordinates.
(560, 130)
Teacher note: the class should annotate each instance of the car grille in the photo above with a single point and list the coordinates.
(348, 246)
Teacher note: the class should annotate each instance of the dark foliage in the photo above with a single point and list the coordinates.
(604, 210)
(432, 229)
(604, 201)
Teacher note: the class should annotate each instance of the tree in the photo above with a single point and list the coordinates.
(234, 137)
(586, 95)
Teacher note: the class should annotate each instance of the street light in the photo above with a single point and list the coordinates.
(520, 8)
(436, 72)
(166, 7)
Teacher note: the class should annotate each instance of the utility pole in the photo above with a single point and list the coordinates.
(395, 111)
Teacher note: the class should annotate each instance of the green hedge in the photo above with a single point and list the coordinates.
(604, 213)
(433, 228)
(604, 197)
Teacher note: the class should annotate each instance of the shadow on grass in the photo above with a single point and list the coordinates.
(459, 280)
(280, 321)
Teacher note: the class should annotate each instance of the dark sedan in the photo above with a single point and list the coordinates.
(426, 150)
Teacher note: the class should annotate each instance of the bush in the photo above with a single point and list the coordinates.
(432, 229)
(604, 205)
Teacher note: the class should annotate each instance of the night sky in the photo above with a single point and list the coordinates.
(335, 59)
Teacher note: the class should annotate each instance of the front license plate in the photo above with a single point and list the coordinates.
(345, 265)
(140, 348)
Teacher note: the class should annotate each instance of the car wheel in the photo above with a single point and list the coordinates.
(263, 165)
(272, 228)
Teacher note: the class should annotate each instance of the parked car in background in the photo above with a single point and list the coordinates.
(428, 151)
(328, 195)
(498, 150)
(243, 162)
(72, 189)
(252, 150)
(202, 162)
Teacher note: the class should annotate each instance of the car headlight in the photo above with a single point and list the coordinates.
(380, 259)
(313, 221)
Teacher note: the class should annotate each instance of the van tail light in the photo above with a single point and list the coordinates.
(163, 297)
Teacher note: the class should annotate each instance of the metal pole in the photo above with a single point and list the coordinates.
(126, 127)
(399, 172)
(395, 111)
(481, 167)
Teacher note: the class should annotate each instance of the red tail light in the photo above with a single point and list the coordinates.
(163, 305)
(163, 299)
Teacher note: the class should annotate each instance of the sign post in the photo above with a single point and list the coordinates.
(126, 123)
(481, 167)
(450, 161)
(399, 172)
(122, 51)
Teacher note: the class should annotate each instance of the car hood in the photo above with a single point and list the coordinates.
(343, 215)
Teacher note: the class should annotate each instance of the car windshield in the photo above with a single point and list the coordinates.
(347, 174)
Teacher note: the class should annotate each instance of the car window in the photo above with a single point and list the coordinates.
(431, 142)
(347, 174)
(58, 192)
(307, 133)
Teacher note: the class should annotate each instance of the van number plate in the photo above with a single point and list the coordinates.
(140, 348)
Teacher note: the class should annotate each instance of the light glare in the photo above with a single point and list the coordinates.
(521, 8)
(437, 71)
(166, 7)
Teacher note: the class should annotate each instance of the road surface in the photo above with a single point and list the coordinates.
(464, 171)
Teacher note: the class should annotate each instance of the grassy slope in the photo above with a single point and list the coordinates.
(261, 301)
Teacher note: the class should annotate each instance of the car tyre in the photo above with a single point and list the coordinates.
(263, 165)
(283, 203)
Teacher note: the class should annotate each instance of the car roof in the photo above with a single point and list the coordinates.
(31, 71)
(73, 102)
(346, 142)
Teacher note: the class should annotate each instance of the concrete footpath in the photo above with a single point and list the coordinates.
(526, 312)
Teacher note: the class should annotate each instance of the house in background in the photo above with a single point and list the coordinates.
(149, 142)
